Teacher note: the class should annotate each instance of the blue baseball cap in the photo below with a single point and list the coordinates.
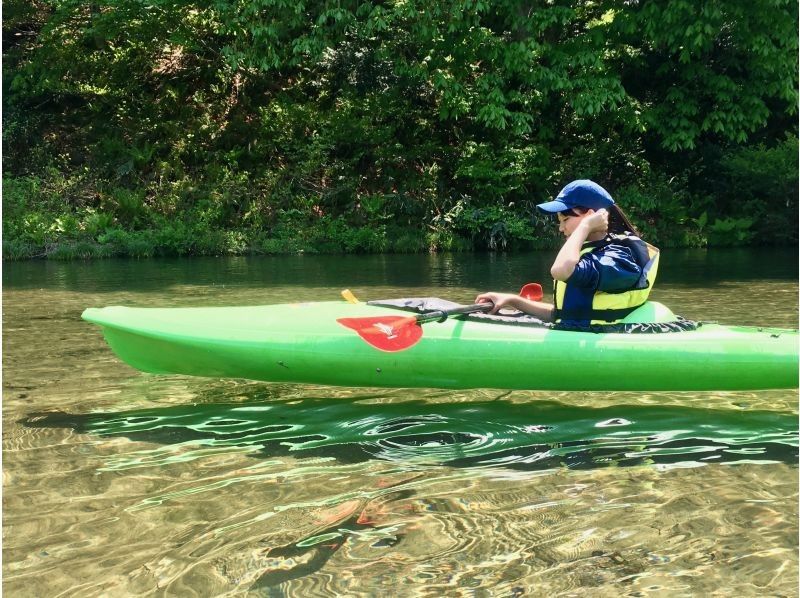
(581, 193)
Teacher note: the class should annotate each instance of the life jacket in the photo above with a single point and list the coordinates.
(612, 307)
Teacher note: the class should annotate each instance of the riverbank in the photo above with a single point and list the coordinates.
(79, 216)
(67, 237)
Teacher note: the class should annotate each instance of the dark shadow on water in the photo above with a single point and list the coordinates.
(500, 434)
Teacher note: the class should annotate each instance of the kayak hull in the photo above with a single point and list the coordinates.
(303, 343)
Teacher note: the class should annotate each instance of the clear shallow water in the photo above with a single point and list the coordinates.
(119, 483)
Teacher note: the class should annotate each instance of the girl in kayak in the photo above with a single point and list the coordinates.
(602, 273)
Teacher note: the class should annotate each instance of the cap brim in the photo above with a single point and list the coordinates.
(553, 206)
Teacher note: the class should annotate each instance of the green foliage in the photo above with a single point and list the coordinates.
(713, 69)
(494, 227)
(126, 205)
(227, 126)
(16, 249)
(407, 241)
(661, 209)
(96, 223)
(730, 231)
(762, 184)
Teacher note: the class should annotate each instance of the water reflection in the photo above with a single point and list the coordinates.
(689, 268)
(489, 434)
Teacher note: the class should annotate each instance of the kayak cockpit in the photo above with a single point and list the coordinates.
(650, 317)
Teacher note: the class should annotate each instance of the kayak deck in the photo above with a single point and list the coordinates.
(303, 343)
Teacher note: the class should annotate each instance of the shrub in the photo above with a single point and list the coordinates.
(761, 184)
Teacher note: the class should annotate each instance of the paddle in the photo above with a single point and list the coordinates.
(398, 333)
(348, 296)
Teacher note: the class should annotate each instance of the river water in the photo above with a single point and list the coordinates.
(118, 483)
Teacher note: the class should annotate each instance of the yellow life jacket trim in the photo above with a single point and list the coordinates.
(609, 308)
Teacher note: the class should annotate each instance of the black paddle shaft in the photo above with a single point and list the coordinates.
(442, 314)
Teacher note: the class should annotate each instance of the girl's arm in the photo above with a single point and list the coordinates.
(570, 253)
(543, 311)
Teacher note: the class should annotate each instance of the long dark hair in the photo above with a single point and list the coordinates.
(618, 221)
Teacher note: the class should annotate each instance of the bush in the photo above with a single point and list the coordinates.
(279, 246)
(661, 209)
(761, 184)
(730, 232)
(407, 241)
(17, 250)
(365, 240)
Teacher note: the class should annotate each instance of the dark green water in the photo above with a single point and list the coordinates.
(120, 483)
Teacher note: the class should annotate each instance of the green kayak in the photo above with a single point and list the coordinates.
(324, 343)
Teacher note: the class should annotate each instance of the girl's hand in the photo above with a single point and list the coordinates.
(597, 222)
(500, 300)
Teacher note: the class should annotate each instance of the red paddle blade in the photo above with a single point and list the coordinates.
(532, 291)
(387, 333)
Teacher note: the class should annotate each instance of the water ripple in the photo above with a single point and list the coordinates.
(487, 434)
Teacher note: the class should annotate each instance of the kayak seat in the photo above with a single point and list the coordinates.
(651, 312)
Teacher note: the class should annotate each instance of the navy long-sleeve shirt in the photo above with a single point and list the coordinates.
(610, 267)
